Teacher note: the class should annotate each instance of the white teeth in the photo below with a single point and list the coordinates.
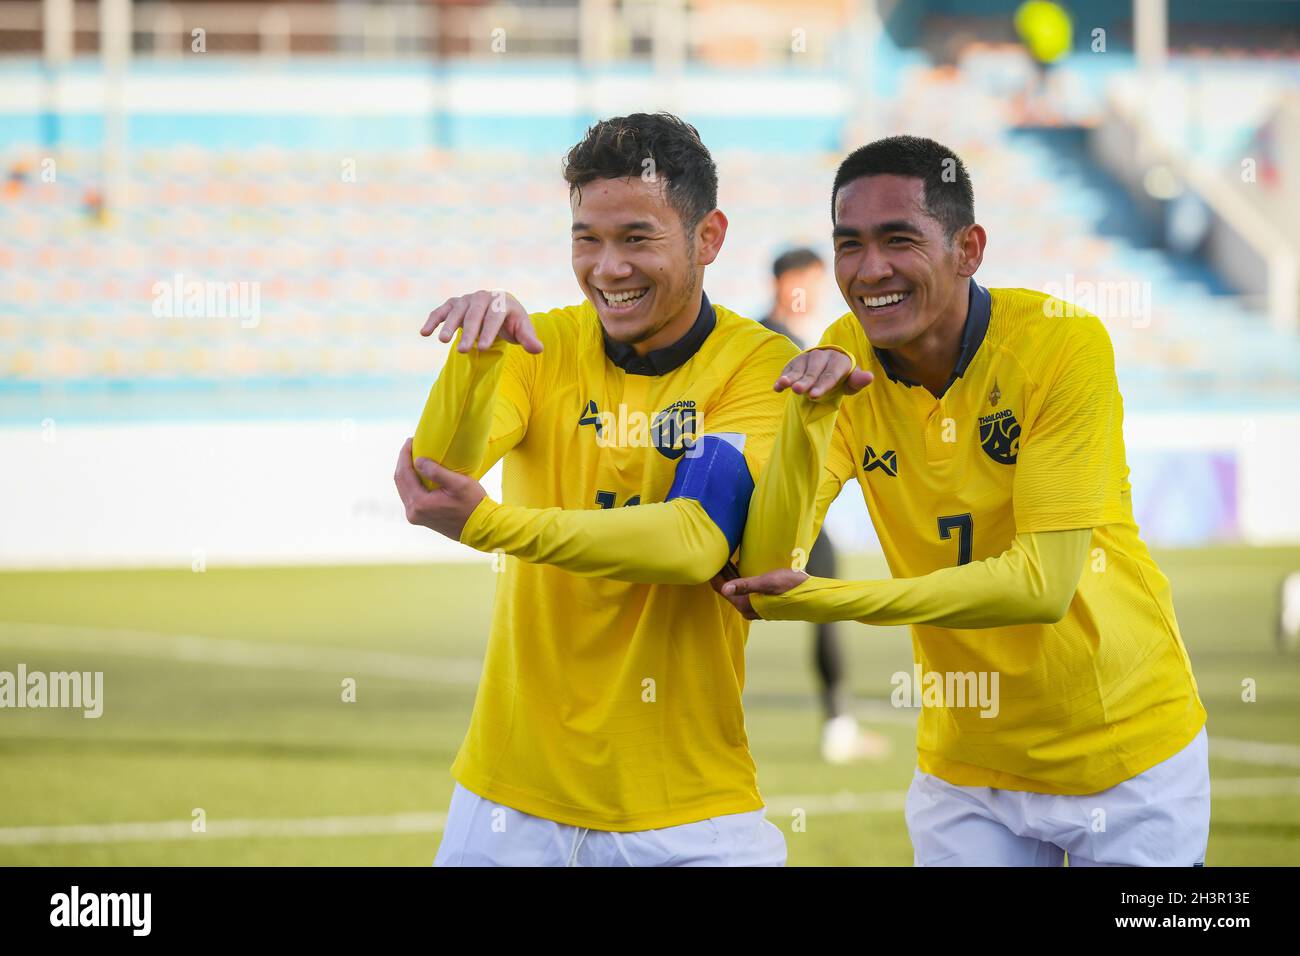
(618, 298)
(875, 302)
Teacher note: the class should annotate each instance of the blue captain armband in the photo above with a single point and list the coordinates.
(715, 474)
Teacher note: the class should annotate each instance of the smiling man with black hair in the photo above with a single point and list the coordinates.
(984, 428)
(608, 727)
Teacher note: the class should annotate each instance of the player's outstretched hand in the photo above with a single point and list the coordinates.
(483, 317)
(448, 506)
(773, 582)
(816, 372)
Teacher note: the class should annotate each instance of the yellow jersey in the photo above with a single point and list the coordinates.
(608, 703)
(1026, 438)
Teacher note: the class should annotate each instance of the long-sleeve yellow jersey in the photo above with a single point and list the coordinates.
(611, 691)
(1004, 513)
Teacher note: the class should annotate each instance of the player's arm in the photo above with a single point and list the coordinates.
(1067, 482)
(478, 408)
(1032, 582)
(686, 539)
(809, 462)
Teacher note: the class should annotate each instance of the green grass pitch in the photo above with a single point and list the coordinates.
(246, 722)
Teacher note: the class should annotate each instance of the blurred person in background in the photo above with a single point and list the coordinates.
(797, 279)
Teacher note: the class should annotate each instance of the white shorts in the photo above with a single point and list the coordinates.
(1161, 817)
(482, 833)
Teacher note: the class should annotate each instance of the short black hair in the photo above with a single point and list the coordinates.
(795, 259)
(618, 148)
(949, 196)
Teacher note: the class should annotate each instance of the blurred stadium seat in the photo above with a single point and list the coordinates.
(364, 164)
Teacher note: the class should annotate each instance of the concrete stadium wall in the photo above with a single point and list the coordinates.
(212, 494)
(170, 495)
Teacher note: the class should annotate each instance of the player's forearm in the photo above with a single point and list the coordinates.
(457, 419)
(1031, 583)
(783, 510)
(673, 542)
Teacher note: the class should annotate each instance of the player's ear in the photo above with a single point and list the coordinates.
(709, 234)
(970, 243)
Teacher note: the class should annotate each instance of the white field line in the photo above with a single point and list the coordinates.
(1256, 752)
(1255, 787)
(225, 829)
(823, 804)
(231, 652)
